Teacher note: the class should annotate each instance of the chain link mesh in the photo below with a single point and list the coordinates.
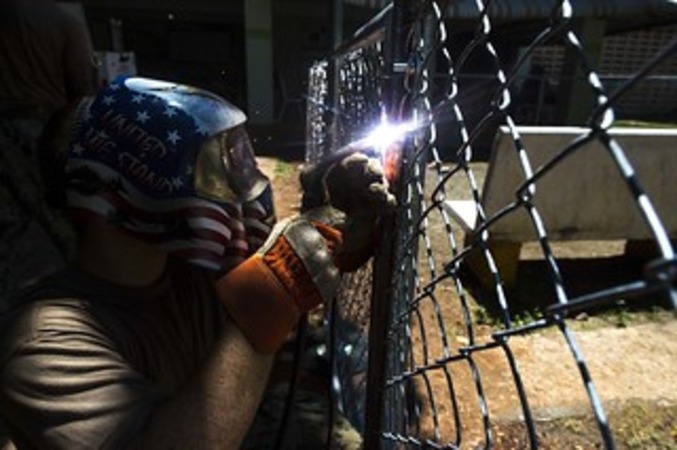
(469, 353)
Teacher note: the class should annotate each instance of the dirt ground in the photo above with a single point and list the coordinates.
(284, 178)
(632, 360)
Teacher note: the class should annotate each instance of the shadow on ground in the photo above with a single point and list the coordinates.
(534, 290)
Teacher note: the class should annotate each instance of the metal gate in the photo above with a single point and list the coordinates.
(426, 354)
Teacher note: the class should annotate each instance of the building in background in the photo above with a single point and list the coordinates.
(257, 53)
(618, 37)
(238, 49)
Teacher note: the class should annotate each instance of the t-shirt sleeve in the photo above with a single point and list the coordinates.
(63, 384)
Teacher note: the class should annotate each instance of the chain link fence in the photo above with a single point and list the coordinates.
(439, 343)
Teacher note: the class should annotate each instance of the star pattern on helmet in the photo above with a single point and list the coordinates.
(101, 134)
(87, 116)
(142, 117)
(78, 149)
(170, 136)
(169, 112)
(177, 182)
(143, 143)
(173, 137)
(200, 128)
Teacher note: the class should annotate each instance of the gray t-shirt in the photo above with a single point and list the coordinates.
(85, 363)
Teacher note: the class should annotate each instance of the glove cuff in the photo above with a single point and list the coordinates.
(259, 303)
(290, 275)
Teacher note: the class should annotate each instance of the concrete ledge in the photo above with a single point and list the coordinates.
(584, 196)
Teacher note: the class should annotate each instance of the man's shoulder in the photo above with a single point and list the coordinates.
(32, 319)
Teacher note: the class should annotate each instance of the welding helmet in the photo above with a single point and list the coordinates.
(173, 165)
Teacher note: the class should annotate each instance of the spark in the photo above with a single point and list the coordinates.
(386, 134)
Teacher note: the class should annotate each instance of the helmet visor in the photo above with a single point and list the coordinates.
(226, 169)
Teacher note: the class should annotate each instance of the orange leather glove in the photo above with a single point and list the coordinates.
(292, 273)
(299, 267)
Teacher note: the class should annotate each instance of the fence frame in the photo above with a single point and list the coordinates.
(392, 27)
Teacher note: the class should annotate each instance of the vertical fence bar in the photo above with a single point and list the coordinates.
(394, 53)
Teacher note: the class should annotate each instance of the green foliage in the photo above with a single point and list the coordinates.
(283, 169)
(646, 426)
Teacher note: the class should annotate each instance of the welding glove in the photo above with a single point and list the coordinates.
(292, 273)
(350, 195)
(300, 264)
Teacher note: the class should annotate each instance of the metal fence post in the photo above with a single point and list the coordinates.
(394, 53)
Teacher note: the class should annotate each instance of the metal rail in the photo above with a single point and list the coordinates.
(417, 362)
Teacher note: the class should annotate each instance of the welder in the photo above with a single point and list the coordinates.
(162, 332)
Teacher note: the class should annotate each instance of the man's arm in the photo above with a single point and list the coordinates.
(216, 408)
(70, 389)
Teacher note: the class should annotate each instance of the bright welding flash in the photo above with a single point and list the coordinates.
(387, 140)
(387, 134)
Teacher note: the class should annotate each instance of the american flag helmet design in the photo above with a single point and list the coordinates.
(172, 165)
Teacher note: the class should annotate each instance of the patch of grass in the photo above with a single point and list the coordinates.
(635, 425)
(519, 318)
(622, 316)
(283, 169)
(618, 315)
(643, 124)
(641, 425)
